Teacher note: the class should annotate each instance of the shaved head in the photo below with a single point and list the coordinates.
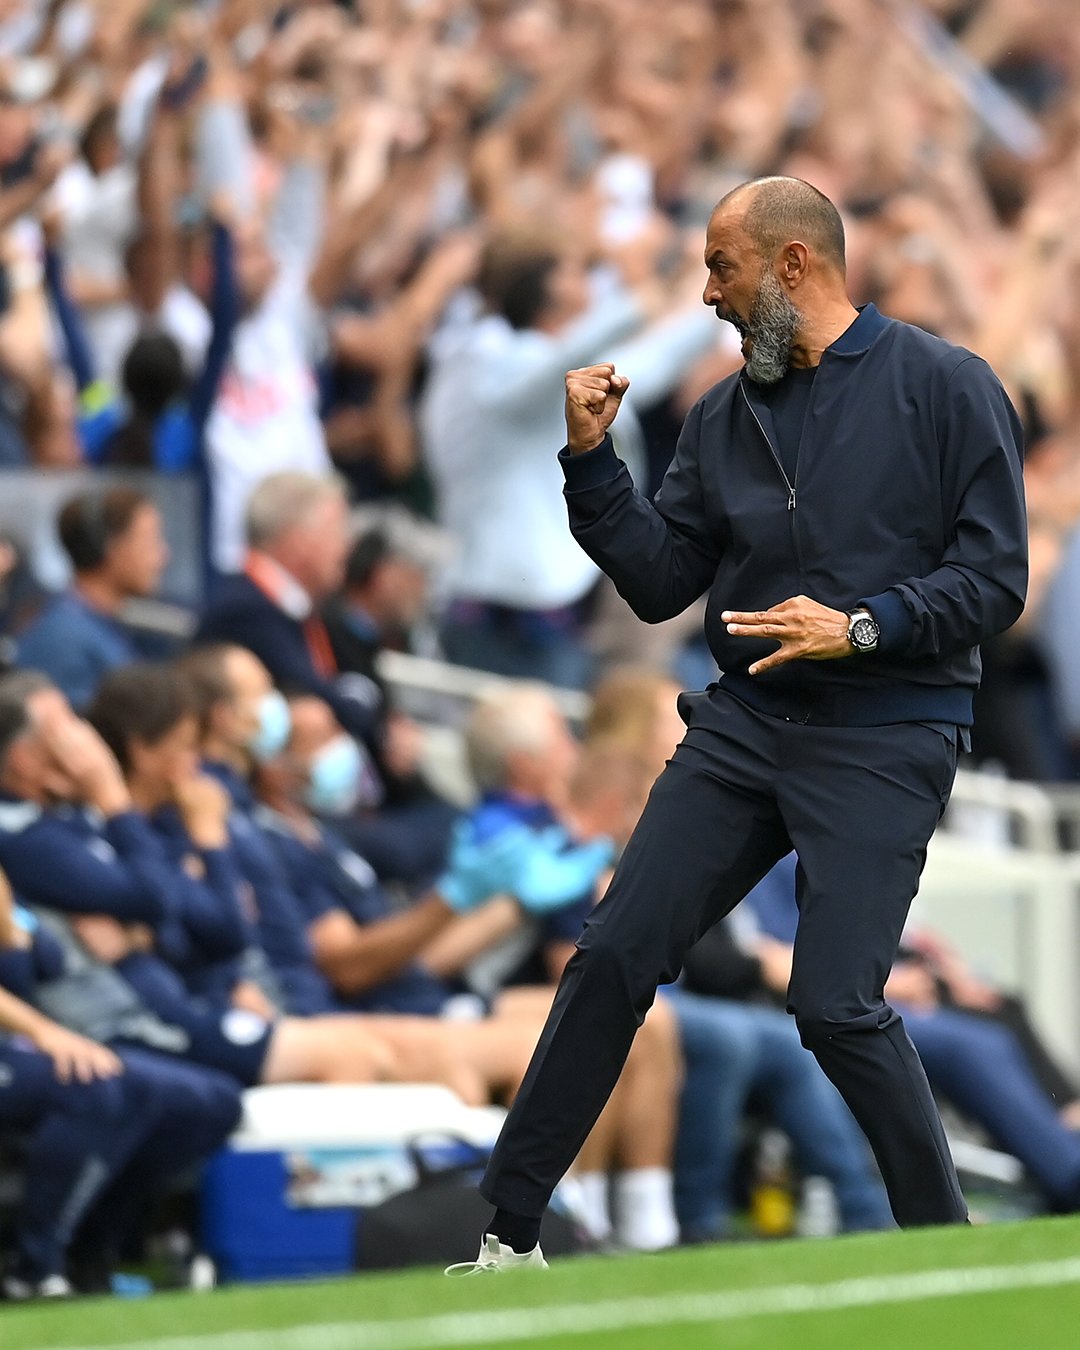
(779, 211)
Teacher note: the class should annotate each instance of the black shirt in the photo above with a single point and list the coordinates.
(788, 400)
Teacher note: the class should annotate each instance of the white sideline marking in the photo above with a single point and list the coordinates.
(528, 1324)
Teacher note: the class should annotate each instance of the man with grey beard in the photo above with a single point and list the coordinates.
(852, 501)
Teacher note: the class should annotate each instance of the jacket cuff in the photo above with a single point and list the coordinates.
(893, 620)
(591, 469)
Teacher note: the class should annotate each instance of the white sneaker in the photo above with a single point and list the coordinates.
(494, 1257)
(21, 1291)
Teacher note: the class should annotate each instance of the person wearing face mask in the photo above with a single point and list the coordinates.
(139, 945)
(243, 723)
(385, 959)
(298, 542)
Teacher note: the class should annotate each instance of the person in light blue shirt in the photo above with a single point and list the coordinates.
(118, 552)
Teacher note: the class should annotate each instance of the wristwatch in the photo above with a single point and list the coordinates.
(862, 630)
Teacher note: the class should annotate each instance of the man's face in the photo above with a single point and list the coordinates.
(546, 771)
(32, 770)
(137, 558)
(237, 722)
(744, 289)
(398, 593)
(318, 547)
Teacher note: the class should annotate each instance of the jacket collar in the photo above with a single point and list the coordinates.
(861, 334)
(857, 338)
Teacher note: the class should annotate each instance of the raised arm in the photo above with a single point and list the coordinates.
(660, 556)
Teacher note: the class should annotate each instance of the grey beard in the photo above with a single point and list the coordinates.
(773, 325)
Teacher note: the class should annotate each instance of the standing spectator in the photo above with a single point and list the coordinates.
(118, 553)
(97, 199)
(489, 415)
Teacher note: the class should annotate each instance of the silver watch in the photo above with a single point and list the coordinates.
(863, 631)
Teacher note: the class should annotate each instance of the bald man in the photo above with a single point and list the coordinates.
(852, 502)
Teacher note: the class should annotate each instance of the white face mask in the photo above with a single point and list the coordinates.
(333, 787)
(275, 724)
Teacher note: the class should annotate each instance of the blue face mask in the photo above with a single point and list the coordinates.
(334, 779)
(275, 724)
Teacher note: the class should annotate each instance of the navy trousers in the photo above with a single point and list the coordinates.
(859, 805)
(97, 1151)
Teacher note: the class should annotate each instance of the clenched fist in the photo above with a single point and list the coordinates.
(593, 395)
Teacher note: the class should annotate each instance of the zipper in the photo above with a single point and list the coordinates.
(776, 458)
(782, 471)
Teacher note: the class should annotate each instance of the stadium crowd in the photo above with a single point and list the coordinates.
(316, 256)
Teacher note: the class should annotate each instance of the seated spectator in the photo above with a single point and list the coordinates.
(115, 905)
(384, 596)
(297, 530)
(105, 1129)
(118, 553)
(979, 1065)
(297, 534)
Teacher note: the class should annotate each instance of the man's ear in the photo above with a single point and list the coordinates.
(794, 262)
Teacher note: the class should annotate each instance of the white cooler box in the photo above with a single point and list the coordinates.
(285, 1197)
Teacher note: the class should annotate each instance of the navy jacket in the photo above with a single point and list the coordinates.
(908, 498)
(328, 876)
(281, 919)
(241, 613)
(70, 860)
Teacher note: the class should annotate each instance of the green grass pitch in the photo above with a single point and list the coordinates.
(1006, 1287)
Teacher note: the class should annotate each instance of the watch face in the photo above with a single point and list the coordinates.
(864, 634)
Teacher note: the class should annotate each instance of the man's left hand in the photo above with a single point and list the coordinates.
(805, 630)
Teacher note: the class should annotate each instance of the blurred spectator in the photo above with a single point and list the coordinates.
(161, 423)
(118, 553)
(104, 1129)
(384, 599)
(491, 414)
(97, 203)
(978, 1064)
(297, 534)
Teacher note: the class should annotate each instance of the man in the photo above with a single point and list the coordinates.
(118, 553)
(297, 535)
(852, 501)
(297, 527)
(104, 1129)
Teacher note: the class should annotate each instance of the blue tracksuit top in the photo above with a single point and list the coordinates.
(281, 914)
(907, 498)
(326, 876)
(76, 646)
(71, 860)
(510, 845)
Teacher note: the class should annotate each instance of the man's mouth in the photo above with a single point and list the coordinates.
(729, 316)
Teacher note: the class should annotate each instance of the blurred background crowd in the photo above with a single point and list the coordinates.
(287, 294)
